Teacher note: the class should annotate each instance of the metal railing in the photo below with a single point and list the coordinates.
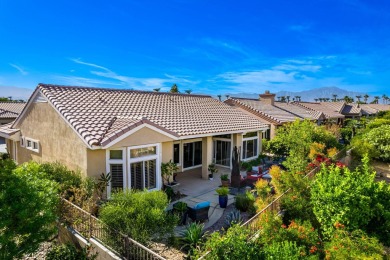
(91, 227)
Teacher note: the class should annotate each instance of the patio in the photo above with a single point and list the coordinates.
(199, 190)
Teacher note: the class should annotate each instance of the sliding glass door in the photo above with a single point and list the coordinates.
(192, 154)
(222, 151)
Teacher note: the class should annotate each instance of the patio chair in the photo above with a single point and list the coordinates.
(199, 212)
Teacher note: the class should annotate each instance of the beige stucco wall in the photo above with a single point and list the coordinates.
(141, 137)
(96, 162)
(57, 140)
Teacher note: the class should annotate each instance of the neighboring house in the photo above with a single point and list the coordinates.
(372, 109)
(331, 111)
(274, 113)
(9, 111)
(129, 133)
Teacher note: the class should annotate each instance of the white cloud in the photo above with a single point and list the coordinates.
(127, 81)
(20, 69)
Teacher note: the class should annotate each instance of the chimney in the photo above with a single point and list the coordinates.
(267, 97)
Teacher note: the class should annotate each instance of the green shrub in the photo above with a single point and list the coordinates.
(354, 245)
(61, 174)
(222, 191)
(28, 208)
(245, 202)
(352, 198)
(68, 252)
(233, 218)
(286, 250)
(192, 236)
(139, 214)
(232, 245)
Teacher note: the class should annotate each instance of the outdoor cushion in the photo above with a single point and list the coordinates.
(202, 205)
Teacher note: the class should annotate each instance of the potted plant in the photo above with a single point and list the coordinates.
(181, 209)
(225, 180)
(223, 196)
(212, 169)
(167, 170)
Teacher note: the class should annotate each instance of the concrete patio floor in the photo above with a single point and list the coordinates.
(199, 190)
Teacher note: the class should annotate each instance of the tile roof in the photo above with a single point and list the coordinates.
(300, 111)
(278, 113)
(7, 129)
(351, 110)
(328, 111)
(261, 109)
(101, 115)
(11, 109)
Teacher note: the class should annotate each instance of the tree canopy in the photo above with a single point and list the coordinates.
(28, 208)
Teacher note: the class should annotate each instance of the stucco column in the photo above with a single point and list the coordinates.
(207, 155)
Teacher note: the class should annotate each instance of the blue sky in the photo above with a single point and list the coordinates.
(212, 47)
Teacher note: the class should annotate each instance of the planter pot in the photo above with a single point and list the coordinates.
(223, 200)
(183, 219)
(225, 183)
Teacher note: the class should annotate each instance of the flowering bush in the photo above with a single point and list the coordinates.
(352, 245)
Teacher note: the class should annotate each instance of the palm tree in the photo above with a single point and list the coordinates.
(227, 96)
(219, 97)
(334, 97)
(156, 89)
(376, 99)
(278, 98)
(384, 98)
(365, 98)
(327, 99)
(316, 99)
(174, 89)
(348, 99)
(288, 99)
(299, 98)
(188, 91)
(358, 98)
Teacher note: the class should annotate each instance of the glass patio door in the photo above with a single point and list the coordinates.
(192, 154)
(222, 150)
(143, 175)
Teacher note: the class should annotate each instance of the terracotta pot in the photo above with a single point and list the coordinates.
(225, 183)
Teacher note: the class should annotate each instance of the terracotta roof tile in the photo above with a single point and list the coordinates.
(278, 113)
(11, 109)
(328, 111)
(101, 115)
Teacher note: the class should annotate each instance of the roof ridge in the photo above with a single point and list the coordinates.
(44, 85)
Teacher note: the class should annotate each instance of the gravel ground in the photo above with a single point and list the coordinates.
(221, 222)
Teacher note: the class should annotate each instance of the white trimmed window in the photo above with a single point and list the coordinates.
(22, 141)
(250, 146)
(116, 167)
(176, 153)
(31, 144)
(144, 167)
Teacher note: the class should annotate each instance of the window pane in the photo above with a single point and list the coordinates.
(136, 176)
(28, 143)
(244, 156)
(176, 153)
(250, 134)
(150, 174)
(116, 171)
(116, 154)
(249, 148)
(35, 145)
(255, 147)
(141, 152)
(197, 153)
